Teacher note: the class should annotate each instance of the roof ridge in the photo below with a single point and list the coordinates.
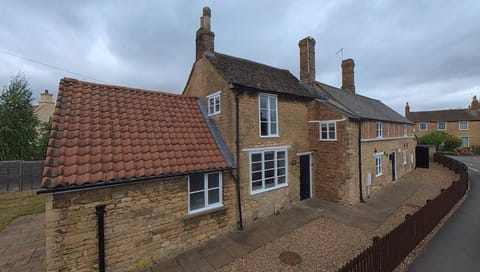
(443, 110)
(346, 91)
(251, 61)
(74, 80)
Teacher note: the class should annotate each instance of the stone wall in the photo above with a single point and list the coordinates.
(144, 222)
(369, 149)
(335, 170)
(293, 132)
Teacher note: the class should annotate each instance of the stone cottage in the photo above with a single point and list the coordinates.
(155, 161)
(359, 144)
(462, 123)
(135, 176)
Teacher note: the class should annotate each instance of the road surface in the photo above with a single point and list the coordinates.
(456, 247)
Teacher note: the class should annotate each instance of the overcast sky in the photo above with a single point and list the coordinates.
(423, 52)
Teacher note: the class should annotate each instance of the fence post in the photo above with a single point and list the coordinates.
(20, 175)
(377, 259)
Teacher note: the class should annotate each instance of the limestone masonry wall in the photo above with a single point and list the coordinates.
(144, 222)
(293, 132)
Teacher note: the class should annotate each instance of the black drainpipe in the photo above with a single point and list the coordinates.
(360, 159)
(237, 142)
(100, 211)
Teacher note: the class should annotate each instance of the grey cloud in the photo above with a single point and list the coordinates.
(417, 51)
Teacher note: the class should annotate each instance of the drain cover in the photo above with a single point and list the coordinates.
(290, 258)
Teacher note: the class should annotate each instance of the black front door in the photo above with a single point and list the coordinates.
(393, 157)
(304, 177)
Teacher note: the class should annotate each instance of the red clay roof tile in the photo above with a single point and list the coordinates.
(102, 133)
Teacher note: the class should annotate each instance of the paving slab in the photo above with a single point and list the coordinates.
(22, 244)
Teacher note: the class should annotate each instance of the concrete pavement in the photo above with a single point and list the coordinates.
(22, 244)
(456, 245)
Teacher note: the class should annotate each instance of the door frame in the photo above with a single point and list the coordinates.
(394, 166)
(309, 153)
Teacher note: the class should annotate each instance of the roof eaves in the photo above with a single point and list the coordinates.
(87, 186)
(241, 87)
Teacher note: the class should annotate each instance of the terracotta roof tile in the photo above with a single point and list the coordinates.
(103, 133)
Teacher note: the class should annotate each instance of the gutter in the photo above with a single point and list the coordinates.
(88, 186)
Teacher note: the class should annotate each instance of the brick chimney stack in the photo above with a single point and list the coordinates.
(307, 59)
(205, 37)
(348, 79)
(407, 110)
(475, 105)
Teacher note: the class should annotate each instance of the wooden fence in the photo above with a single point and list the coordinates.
(387, 252)
(20, 175)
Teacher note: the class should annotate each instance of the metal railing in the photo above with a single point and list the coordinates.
(387, 252)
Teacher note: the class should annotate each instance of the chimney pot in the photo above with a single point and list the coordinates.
(348, 75)
(307, 59)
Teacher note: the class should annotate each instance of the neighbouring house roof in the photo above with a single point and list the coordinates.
(104, 133)
(444, 115)
(254, 75)
(360, 106)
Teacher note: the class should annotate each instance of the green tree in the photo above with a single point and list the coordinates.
(43, 139)
(440, 140)
(18, 123)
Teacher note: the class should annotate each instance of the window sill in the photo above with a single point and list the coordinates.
(267, 190)
(204, 212)
(270, 136)
(213, 114)
(463, 129)
(328, 140)
(379, 175)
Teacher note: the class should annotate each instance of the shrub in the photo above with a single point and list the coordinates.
(452, 142)
(441, 140)
(435, 138)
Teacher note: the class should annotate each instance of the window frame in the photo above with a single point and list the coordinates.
(378, 164)
(468, 140)
(207, 206)
(213, 97)
(263, 170)
(269, 122)
(405, 130)
(420, 126)
(379, 130)
(465, 122)
(404, 157)
(328, 123)
(441, 129)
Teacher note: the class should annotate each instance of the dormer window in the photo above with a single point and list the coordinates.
(214, 103)
(268, 115)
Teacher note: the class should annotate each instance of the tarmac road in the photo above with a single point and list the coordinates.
(456, 247)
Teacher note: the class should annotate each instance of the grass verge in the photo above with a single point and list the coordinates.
(13, 205)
